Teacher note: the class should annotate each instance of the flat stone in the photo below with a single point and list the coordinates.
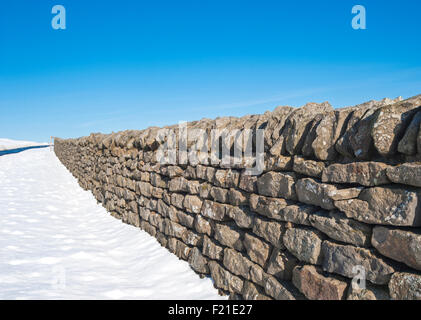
(269, 207)
(342, 259)
(315, 286)
(308, 167)
(384, 205)
(336, 226)
(277, 185)
(400, 245)
(213, 210)
(312, 192)
(363, 173)
(407, 173)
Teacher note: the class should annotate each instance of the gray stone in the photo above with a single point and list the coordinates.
(198, 262)
(308, 167)
(228, 236)
(271, 231)
(257, 250)
(193, 204)
(343, 260)
(211, 249)
(406, 173)
(336, 226)
(213, 210)
(281, 263)
(405, 286)
(390, 124)
(386, 206)
(269, 207)
(311, 192)
(277, 185)
(364, 173)
(408, 144)
(305, 244)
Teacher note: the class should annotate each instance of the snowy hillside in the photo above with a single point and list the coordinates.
(7, 144)
(56, 242)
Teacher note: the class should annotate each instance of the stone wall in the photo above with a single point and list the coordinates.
(340, 196)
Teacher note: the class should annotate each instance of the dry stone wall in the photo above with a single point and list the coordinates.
(339, 199)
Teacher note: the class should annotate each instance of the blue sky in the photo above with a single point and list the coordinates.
(133, 64)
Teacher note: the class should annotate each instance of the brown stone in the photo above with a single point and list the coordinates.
(315, 286)
(400, 245)
(257, 250)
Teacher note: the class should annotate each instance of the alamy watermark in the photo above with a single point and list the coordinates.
(359, 21)
(59, 20)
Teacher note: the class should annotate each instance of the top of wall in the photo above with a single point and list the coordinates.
(386, 130)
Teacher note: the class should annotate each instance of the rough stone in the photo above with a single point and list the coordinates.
(400, 245)
(213, 210)
(315, 286)
(308, 167)
(198, 262)
(405, 286)
(384, 205)
(257, 250)
(281, 290)
(228, 236)
(193, 204)
(281, 263)
(336, 226)
(253, 292)
(271, 231)
(224, 279)
(311, 192)
(390, 124)
(211, 249)
(408, 144)
(305, 244)
(364, 173)
(407, 173)
(371, 292)
(269, 207)
(277, 185)
(343, 259)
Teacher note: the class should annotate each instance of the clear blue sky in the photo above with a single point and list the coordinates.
(133, 64)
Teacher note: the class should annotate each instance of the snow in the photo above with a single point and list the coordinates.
(56, 242)
(7, 144)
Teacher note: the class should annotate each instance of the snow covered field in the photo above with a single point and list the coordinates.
(7, 144)
(56, 242)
